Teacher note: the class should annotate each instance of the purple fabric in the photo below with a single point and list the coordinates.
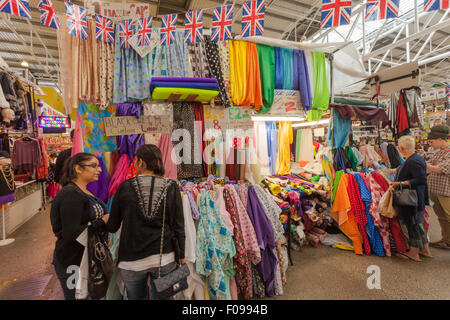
(8, 198)
(371, 114)
(129, 144)
(192, 85)
(99, 188)
(294, 179)
(266, 241)
(301, 79)
(179, 79)
(194, 208)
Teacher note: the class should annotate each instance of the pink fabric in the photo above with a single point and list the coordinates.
(119, 176)
(243, 194)
(77, 145)
(166, 147)
(220, 202)
(248, 232)
(233, 288)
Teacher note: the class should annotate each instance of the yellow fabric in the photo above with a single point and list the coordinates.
(207, 297)
(285, 139)
(238, 71)
(343, 247)
(253, 96)
(163, 93)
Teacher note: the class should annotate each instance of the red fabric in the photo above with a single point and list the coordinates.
(42, 171)
(381, 181)
(402, 116)
(358, 210)
(199, 116)
(132, 171)
(397, 234)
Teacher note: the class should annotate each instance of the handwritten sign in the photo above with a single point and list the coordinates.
(119, 126)
(287, 103)
(239, 118)
(364, 131)
(117, 11)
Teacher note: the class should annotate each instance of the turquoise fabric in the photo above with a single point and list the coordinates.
(288, 68)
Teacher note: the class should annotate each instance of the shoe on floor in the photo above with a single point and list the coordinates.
(440, 244)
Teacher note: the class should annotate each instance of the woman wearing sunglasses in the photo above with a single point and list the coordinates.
(73, 210)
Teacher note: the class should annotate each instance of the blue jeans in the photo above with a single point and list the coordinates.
(63, 276)
(136, 281)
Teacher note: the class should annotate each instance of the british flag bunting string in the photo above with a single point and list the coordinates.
(253, 18)
(222, 22)
(20, 8)
(382, 9)
(193, 26)
(104, 29)
(48, 14)
(76, 20)
(432, 5)
(125, 32)
(335, 13)
(168, 27)
(144, 31)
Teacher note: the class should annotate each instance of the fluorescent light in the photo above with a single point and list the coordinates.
(256, 118)
(312, 123)
(24, 64)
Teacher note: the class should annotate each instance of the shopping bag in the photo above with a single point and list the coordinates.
(388, 209)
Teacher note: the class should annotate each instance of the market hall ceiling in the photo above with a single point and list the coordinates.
(293, 20)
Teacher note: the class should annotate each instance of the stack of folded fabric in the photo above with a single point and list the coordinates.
(197, 89)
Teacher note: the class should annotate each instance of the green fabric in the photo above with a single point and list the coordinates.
(315, 178)
(321, 98)
(266, 56)
(337, 179)
(113, 292)
(297, 145)
(351, 156)
(357, 102)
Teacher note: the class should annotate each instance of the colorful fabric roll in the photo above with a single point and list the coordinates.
(193, 85)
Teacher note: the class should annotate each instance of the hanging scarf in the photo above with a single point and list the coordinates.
(321, 92)
(253, 90)
(301, 79)
(238, 71)
(266, 56)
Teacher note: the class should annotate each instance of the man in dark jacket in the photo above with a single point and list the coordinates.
(62, 157)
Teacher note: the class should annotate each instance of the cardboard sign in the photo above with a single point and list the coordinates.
(117, 11)
(119, 126)
(287, 103)
(239, 118)
(364, 132)
(441, 93)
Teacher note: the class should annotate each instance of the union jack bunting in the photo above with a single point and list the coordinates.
(431, 5)
(193, 26)
(382, 9)
(48, 14)
(169, 25)
(76, 20)
(144, 31)
(19, 8)
(222, 22)
(335, 13)
(104, 29)
(125, 32)
(253, 18)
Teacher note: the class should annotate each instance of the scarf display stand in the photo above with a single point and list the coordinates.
(4, 241)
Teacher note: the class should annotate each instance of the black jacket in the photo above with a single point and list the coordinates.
(140, 238)
(69, 216)
(62, 157)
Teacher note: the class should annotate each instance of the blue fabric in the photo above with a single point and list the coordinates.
(264, 233)
(178, 56)
(128, 144)
(341, 130)
(193, 85)
(372, 232)
(99, 188)
(279, 68)
(301, 79)
(272, 144)
(338, 163)
(288, 66)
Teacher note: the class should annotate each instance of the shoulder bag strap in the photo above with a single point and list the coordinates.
(162, 231)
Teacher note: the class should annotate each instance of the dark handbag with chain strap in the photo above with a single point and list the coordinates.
(175, 281)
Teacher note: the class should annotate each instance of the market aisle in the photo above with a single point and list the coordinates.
(318, 273)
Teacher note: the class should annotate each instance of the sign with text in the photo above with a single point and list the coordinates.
(364, 132)
(287, 103)
(220, 118)
(117, 11)
(119, 126)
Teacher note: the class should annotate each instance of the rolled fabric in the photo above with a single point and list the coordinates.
(161, 93)
(266, 57)
(301, 79)
(253, 91)
(184, 79)
(193, 85)
(288, 66)
(279, 68)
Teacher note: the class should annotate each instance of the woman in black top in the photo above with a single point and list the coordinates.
(73, 210)
(413, 174)
(138, 206)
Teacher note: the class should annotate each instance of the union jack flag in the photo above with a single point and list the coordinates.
(193, 26)
(335, 13)
(253, 18)
(431, 5)
(76, 20)
(222, 22)
(382, 9)
(144, 31)
(104, 29)
(169, 25)
(19, 8)
(48, 14)
(125, 32)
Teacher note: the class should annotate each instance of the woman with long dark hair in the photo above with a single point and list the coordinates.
(138, 206)
(73, 210)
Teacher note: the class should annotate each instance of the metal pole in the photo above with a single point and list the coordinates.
(416, 16)
(407, 44)
(363, 18)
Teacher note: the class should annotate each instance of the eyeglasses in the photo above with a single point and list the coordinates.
(93, 166)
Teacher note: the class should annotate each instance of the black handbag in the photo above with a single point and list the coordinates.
(175, 281)
(405, 197)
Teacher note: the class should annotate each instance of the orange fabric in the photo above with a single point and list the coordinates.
(341, 212)
(377, 148)
(253, 95)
